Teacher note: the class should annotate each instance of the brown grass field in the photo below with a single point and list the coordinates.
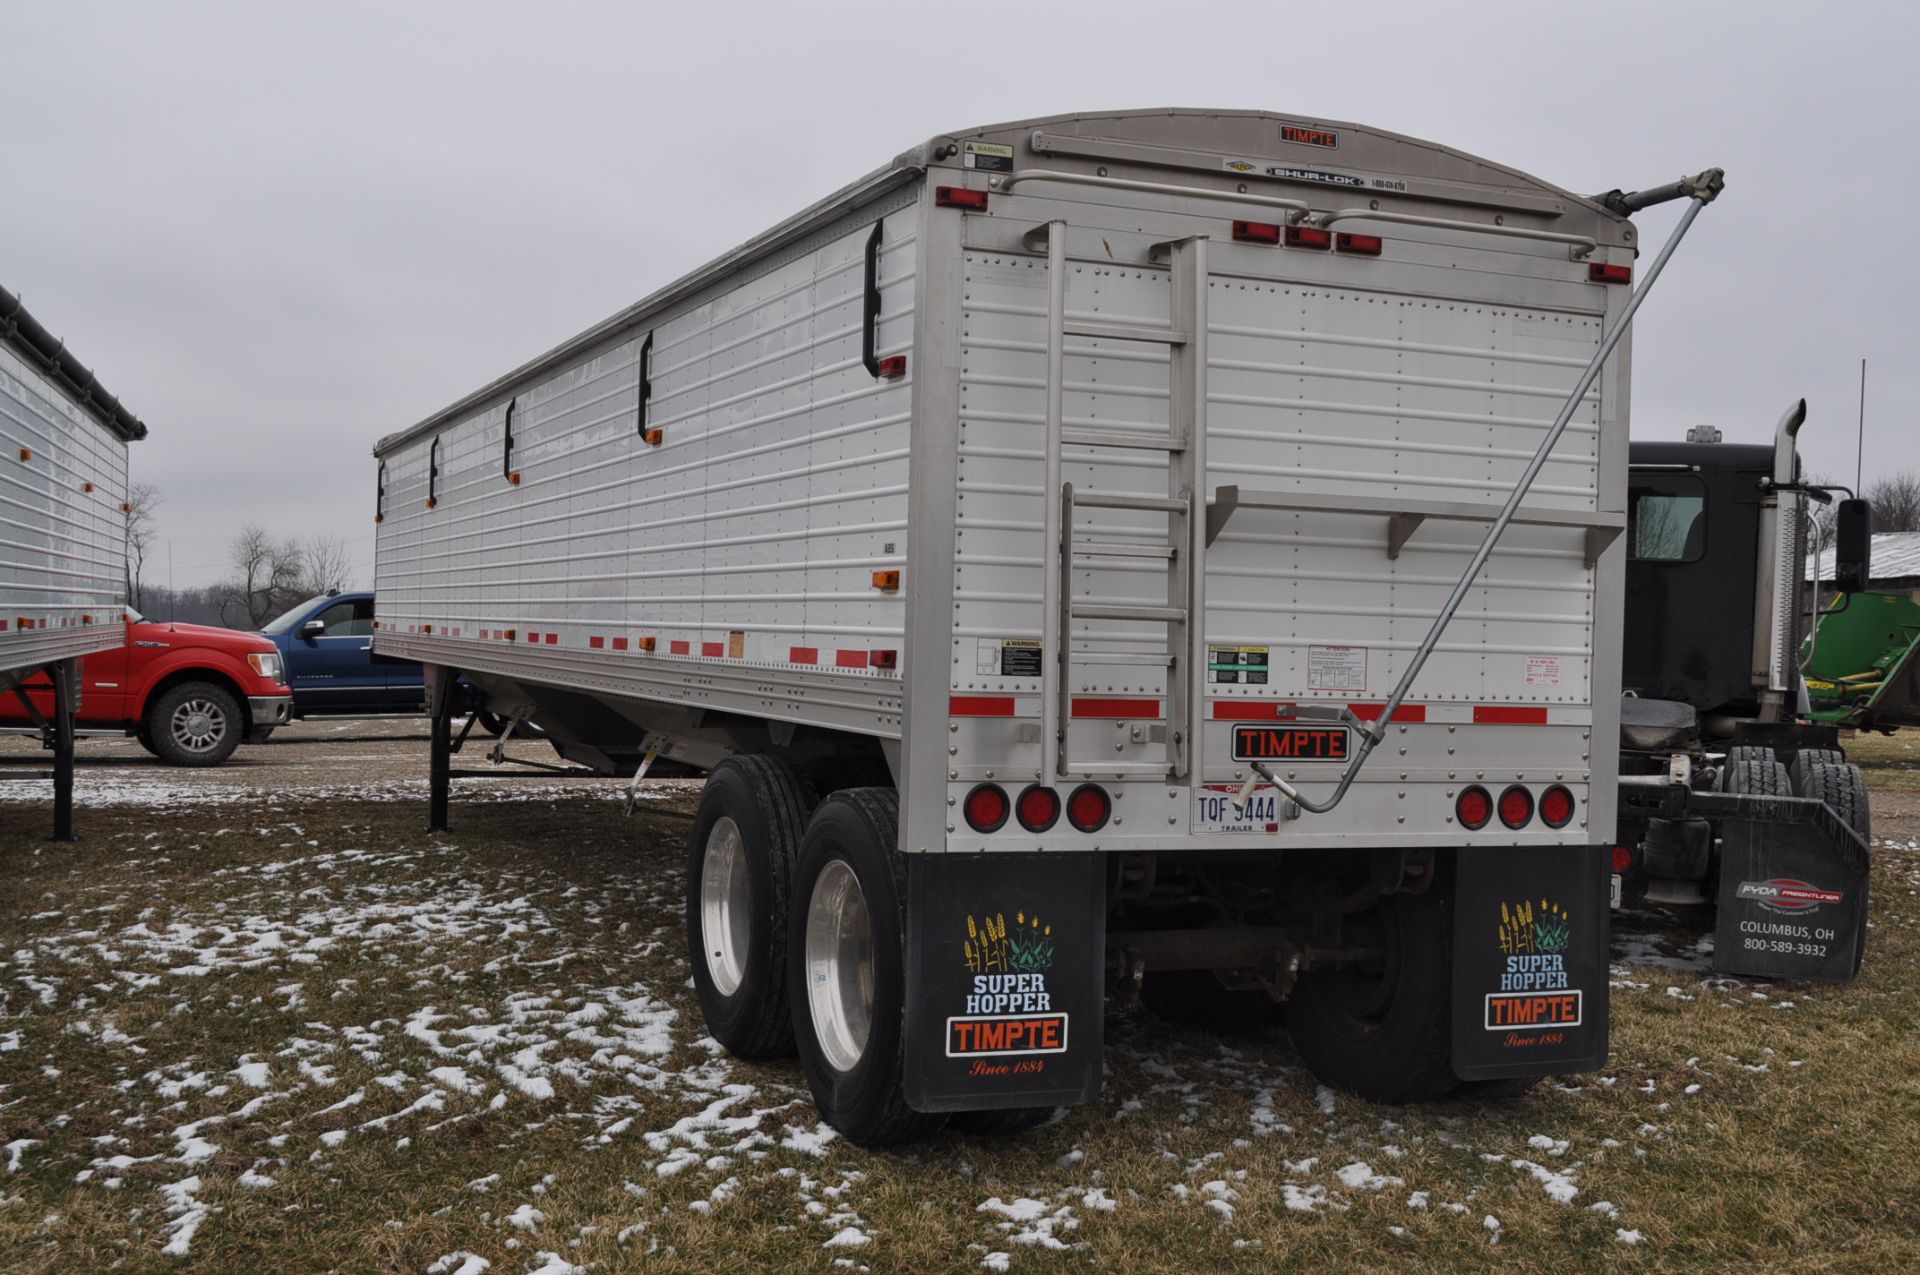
(257, 1021)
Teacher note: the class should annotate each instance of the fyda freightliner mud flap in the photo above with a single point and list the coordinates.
(1005, 980)
(1793, 889)
(1529, 961)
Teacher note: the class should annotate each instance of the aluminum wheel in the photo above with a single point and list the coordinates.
(725, 903)
(198, 725)
(839, 955)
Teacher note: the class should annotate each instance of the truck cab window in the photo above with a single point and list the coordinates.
(1667, 523)
(347, 619)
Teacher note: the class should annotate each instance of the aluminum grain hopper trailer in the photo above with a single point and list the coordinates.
(1166, 550)
(63, 561)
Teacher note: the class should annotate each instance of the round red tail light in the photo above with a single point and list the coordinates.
(1088, 807)
(987, 808)
(1516, 807)
(1038, 809)
(1556, 807)
(1473, 808)
(1622, 859)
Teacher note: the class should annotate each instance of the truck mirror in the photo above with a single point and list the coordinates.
(1852, 545)
(313, 629)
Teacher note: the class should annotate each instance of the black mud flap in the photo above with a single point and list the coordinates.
(1793, 888)
(1530, 961)
(1005, 980)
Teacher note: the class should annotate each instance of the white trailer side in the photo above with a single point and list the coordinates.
(1072, 467)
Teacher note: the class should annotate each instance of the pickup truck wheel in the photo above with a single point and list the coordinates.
(146, 740)
(194, 724)
(1383, 1029)
(848, 977)
(746, 834)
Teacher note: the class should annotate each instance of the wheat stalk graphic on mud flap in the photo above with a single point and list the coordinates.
(1527, 932)
(992, 948)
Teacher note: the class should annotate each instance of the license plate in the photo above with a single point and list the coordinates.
(1214, 811)
(1290, 743)
(1616, 889)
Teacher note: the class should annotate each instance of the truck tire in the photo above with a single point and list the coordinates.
(1384, 1031)
(830, 774)
(1844, 789)
(848, 976)
(746, 834)
(194, 724)
(1759, 775)
(1805, 760)
(146, 739)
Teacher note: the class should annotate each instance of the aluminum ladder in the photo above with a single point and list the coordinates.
(1184, 444)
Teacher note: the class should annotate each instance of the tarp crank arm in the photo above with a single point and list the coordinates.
(1699, 191)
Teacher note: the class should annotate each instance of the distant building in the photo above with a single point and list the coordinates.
(1896, 563)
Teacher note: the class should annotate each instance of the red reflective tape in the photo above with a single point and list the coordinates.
(1250, 710)
(597, 643)
(980, 706)
(713, 650)
(553, 639)
(1405, 713)
(533, 637)
(619, 644)
(680, 648)
(803, 655)
(1508, 715)
(850, 659)
(1116, 708)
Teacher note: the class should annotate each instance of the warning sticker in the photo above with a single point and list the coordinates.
(1246, 665)
(1543, 670)
(1336, 668)
(1020, 657)
(987, 157)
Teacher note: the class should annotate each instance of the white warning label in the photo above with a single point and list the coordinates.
(1543, 670)
(1336, 668)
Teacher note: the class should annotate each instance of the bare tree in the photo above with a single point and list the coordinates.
(142, 500)
(328, 562)
(1896, 501)
(268, 577)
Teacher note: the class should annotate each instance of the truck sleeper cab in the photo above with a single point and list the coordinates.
(985, 531)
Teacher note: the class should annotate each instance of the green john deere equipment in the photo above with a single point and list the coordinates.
(1860, 668)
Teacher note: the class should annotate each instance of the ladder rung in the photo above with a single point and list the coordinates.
(1124, 332)
(1122, 438)
(1130, 659)
(1099, 500)
(1111, 611)
(1115, 549)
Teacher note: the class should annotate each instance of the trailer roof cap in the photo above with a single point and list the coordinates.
(47, 354)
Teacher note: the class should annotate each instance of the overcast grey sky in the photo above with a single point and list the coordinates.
(279, 234)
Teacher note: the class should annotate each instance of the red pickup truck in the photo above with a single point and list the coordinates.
(190, 693)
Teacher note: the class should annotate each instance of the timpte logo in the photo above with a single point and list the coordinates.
(1008, 1007)
(1534, 988)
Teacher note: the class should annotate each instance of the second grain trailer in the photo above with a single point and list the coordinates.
(1169, 553)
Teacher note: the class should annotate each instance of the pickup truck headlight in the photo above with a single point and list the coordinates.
(266, 664)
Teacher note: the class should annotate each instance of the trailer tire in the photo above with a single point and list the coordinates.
(847, 980)
(1001, 1123)
(1801, 772)
(1384, 1033)
(1759, 775)
(829, 775)
(1844, 789)
(746, 835)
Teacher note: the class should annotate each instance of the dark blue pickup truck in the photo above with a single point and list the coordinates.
(326, 648)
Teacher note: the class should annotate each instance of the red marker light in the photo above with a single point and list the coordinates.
(893, 367)
(1473, 808)
(1309, 237)
(1038, 809)
(1256, 232)
(1556, 807)
(1516, 807)
(1359, 245)
(1088, 807)
(959, 197)
(986, 808)
(1622, 859)
(1601, 272)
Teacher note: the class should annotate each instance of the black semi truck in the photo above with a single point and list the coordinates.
(1729, 798)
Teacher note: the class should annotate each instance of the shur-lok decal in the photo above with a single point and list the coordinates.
(1005, 961)
(1530, 960)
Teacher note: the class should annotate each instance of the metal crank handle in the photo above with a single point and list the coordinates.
(1260, 772)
